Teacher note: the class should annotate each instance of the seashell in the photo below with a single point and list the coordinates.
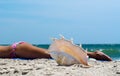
(63, 58)
(67, 53)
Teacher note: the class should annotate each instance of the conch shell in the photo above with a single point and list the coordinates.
(67, 53)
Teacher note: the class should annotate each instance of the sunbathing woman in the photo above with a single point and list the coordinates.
(23, 50)
(26, 50)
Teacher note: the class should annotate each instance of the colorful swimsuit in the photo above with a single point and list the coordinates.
(13, 54)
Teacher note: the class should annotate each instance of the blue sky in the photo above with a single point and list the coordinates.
(36, 21)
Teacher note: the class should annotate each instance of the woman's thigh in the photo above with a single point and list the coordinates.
(27, 50)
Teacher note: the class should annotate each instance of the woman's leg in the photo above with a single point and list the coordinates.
(5, 51)
(98, 55)
(26, 50)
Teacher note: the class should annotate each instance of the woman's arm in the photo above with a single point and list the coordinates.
(98, 55)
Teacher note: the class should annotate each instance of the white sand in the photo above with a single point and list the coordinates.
(45, 67)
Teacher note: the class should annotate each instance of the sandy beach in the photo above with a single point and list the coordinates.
(48, 67)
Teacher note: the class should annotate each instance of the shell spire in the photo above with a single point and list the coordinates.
(53, 39)
(80, 45)
(62, 37)
(71, 40)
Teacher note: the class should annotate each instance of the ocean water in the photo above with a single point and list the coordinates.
(113, 50)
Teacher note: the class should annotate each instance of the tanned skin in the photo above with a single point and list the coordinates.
(24, 50)
(98, 55)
